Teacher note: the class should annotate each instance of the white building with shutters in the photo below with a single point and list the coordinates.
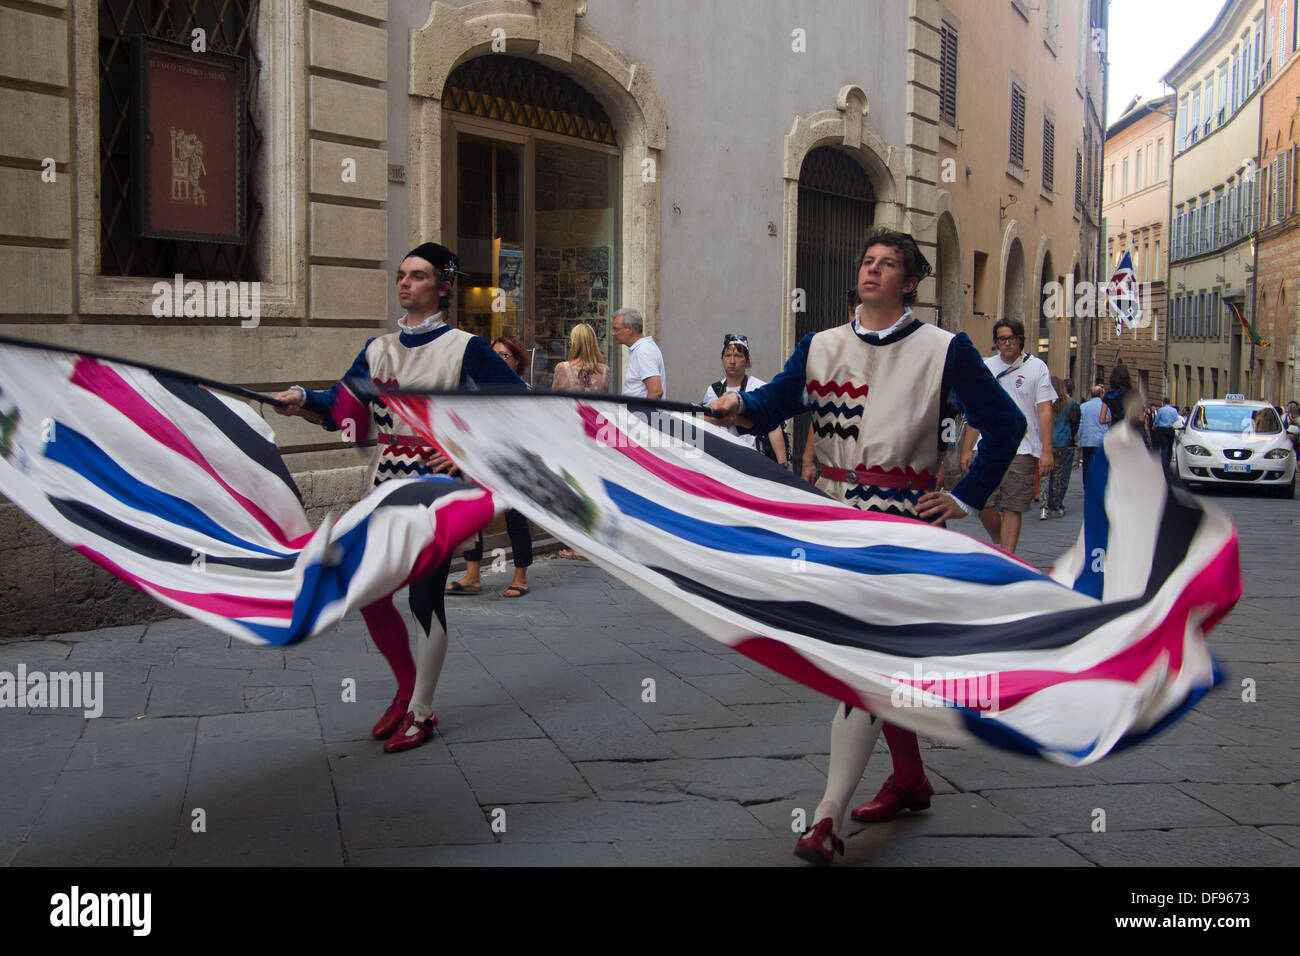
(1215, 201)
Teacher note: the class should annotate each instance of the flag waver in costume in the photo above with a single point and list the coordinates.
(426, 353)
(183, 494)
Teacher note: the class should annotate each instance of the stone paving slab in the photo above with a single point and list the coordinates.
(239, 656)
(519, 771)
(967, 851)
(817, 713)
(183, 632)
(1290, 835)
(277, 698)
(1257, 805)
(37, 655)
(744, 779)
(706, 852)
(18, 731)
(677, 705)
(487, 722)
(111, 743)
(797, 741)
(1142, 806)
(22, 795)
(983, 769)
(580, 650)
(1200, 846)
(253, 778)
(541, 678)
(136, 814)
(1246, 764)
(606, 821)
(597, 729)
(281, 839)
(194, 699)
(409, 799)
(739, 688)
(11, 838)
(492, 854)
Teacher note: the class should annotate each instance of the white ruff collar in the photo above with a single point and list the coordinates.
(428, 325)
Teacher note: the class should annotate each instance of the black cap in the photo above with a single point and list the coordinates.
(440, 257)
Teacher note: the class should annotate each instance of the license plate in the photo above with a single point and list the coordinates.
(1244, 469)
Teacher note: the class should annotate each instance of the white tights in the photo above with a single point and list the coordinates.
(853, 737)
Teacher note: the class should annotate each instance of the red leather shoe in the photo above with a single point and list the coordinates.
(812, 845)
(392, 717)
(893, 800)
(401, 740)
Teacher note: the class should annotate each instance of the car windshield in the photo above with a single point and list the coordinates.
(1235, 418)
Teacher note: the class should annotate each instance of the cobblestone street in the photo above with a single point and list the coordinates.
(544, 733)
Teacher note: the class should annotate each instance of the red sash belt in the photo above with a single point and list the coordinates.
(880, 479)
(413, 442)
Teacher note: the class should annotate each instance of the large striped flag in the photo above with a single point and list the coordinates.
(933, 629)
(182, 493)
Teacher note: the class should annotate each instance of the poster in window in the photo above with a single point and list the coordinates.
(188, 176)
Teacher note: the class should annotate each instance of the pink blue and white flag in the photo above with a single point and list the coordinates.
(935, 630)
(182, 493)
(1123, 296)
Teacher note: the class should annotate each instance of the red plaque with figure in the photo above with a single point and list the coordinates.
(188, 158)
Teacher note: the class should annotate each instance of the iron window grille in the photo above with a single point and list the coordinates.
(229, 27)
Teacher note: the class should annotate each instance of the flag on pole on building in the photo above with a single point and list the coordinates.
(1250, 331)
(1122, 295)
(933, 629)
(182, 493)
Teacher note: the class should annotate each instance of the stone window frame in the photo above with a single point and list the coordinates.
(549, 31)
(282, 106)
(845, 126)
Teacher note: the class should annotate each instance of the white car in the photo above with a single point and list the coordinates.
(1235, 441)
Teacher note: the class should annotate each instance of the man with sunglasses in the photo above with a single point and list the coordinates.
(880, 391)
(425, 352)
(1028, 382)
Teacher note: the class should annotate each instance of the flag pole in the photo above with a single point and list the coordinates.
(237, 390)
(657, 404)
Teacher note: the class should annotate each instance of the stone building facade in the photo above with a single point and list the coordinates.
(581, 155)
(1020, 146)
(1136, 213)
(1277, 275)
(1215, 195)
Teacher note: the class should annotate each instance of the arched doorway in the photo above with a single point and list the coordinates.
(532, 194)
(1082, 389)
(1049, 295)
(836, 208)
(948, 275)
(1013, 286)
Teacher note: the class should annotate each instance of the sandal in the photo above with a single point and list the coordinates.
(455, 587)
(570, 554)
(522, 589)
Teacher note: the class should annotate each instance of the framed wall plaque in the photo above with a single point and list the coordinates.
(188, 176)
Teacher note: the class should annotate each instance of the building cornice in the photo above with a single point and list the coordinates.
(1224, 29)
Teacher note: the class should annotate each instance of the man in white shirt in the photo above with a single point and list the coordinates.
(1028, 381)
(645, 363)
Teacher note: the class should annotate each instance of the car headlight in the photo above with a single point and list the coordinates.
(1197, 450)
(1277, 453)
